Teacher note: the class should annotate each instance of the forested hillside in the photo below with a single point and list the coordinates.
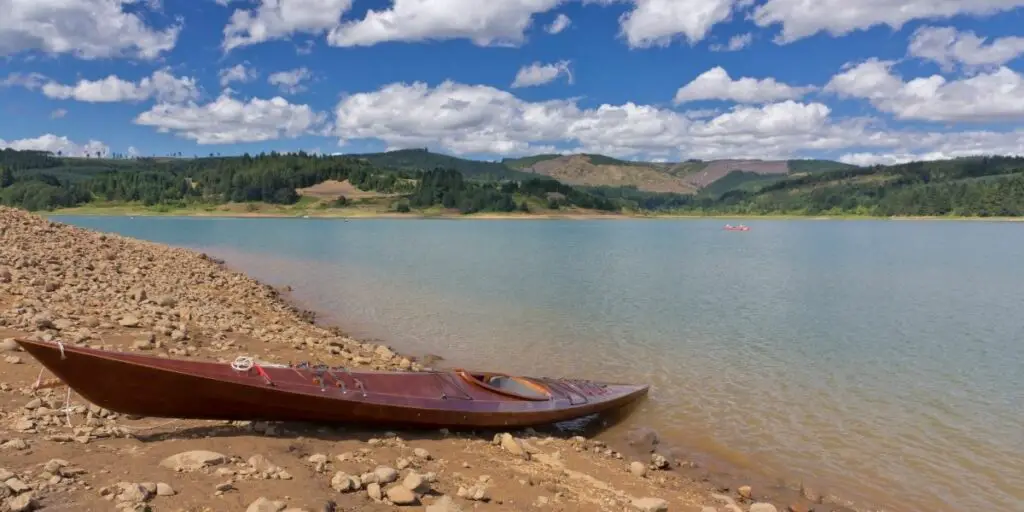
(981, 186)
(38, 181)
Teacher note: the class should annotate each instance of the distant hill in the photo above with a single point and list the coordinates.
(421, 159)
(689, 177)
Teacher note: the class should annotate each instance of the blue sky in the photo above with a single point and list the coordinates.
(865, 81)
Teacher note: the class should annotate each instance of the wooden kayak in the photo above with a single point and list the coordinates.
(153, 386)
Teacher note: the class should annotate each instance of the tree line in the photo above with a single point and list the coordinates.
(980, 186)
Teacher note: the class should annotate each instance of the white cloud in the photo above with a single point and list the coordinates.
(801, 18)
(31, 81)
(658, 22)
(949, 47)
(560, 23)
(540, 74)
(55, 144)
(290, 82)
(481, 119)
(162, 85)
(87, 29)
(716, 84)
(278, 19)
(941, 146)
(484, 23)
(237, 73)
(228, 120)
(58, 114)
(986, 97)
(736, 43)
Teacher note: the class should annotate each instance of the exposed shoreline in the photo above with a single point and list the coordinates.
(257, 319)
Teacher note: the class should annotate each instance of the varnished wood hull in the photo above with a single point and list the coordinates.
(160, 387)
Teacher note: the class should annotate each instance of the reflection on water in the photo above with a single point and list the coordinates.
(879, 359)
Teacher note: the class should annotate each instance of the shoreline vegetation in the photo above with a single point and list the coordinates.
(117, 293)
(418, 183)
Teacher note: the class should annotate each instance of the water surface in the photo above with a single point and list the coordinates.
(881, 361)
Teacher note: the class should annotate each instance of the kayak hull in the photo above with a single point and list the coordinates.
(152, 386)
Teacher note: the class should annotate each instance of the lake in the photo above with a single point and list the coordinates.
(881, 361)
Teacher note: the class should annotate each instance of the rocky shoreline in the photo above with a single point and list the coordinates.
(58, 452)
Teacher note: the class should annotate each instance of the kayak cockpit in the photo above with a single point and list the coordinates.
(517, 387)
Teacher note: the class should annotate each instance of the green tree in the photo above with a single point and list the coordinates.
(6, 177)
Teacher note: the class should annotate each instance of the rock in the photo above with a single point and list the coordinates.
(797, 507)
(137, 294)
(763, 507)
(416, 483)
(317, 458)
(43, 320)
(224, 487)
(445, 504)
(343, 482)
(643, 439)
(650, 505)
(167, 301)
(17, 485)
(638, 468)
(385, 475)
(132, 493)
(384, 353)
(421, 453)
(744, 491)
(373, 490)
(23, 503)
(8, 345)
(265, 505)
(193, 460)
(163, 489)
(514, 446)
(399, 495)
(658, 461)
(129, 321)
(12, 360)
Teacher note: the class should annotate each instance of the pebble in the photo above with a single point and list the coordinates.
(385, 475)
(373, 491)
(193, 460)
(638, 468)
(421, 453)
(763, 507)
(399, 495)
(744, 491)
(650, 505)
(265, 505)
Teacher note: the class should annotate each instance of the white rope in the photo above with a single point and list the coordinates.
(242, 364)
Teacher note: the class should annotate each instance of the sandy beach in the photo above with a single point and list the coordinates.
(58, 452)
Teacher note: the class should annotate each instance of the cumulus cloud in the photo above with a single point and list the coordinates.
(986, 97)
(540, 74)
(941, 146)
(484, 23)
(480, 119)
(290, 82)
(58, 114)
(228, 120)
(949, 47)
(800, 18)
(735, 44)
(560, 23)
(658, 22)
(278, 19)
(716, 84)
(161, 85)
(87, 29)
(237, 73)
(55, 144)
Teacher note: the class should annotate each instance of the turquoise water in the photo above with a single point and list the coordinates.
(881, 361)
